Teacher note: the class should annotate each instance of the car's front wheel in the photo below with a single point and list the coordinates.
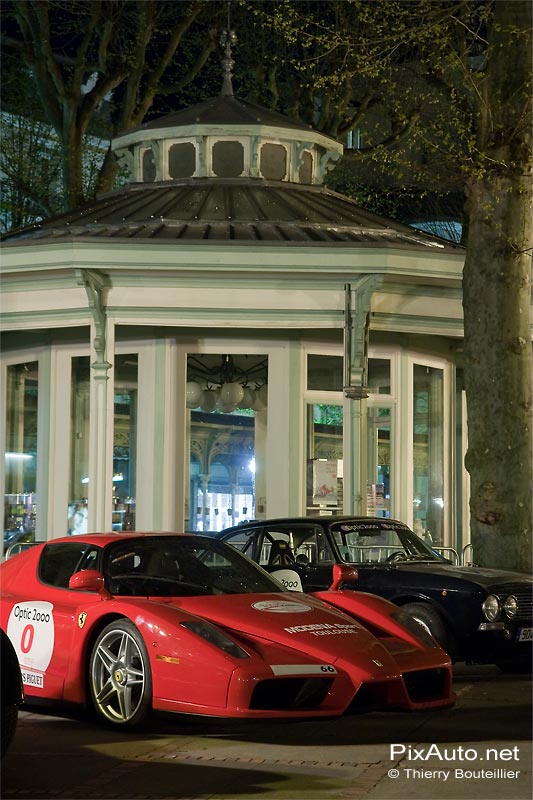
(120, 676)
(433, 623)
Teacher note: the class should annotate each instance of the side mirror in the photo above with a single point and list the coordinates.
(343, 573)
(88, 580)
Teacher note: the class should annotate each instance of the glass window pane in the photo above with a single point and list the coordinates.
(20, 500)
(79, 445)
(125, 443)
(324, 458)
(428, 454)
(325, 373)
(228, 159)
(148, 166)
(305, 173)
(225, 395)
(58, 563)
(273, 162)
(182, 160)
(379, 376)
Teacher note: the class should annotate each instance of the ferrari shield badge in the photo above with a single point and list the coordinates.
(81, 619)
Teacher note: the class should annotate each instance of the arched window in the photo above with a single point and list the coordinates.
(305, 173)
(148, 166)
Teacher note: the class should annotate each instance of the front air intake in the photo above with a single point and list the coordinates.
(277, 694)
(426, 684)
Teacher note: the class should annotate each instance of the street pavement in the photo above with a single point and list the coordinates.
(478, 750)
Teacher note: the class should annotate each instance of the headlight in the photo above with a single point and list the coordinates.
(215, 636)
(510, 606)
(491, 607)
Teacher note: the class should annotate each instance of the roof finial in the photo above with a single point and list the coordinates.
(227, 38)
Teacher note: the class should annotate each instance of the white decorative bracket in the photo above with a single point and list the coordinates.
(95, 286)
(357, 301)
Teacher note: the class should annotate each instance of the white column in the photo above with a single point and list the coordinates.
(297, 477)
(147, 454)
(44, 453)
(358, 298)
(101, 435)
(285, 443)
(55, 403)
(277, 442)
(404, 436)
(166, 411)
(355, 457)
(179, 442)
(262, 506)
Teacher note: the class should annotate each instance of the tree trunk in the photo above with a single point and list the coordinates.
(72, 156)
(107, 174)
(497, 304)
(498, 375)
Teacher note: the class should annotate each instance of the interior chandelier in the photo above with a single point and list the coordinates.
(226, 386)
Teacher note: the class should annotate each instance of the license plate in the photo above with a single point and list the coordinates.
(525, 635)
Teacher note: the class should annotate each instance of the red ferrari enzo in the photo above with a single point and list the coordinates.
(130, 622)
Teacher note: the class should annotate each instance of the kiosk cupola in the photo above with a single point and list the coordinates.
(226, 138)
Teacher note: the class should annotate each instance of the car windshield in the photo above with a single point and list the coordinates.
(378, 542)
(180, 566)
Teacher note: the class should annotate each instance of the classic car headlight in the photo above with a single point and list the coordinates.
(491, 607)
(215, 636)
(510, 606)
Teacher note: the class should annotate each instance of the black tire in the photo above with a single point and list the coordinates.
(433, 623)
(9, 726)
(120, 678)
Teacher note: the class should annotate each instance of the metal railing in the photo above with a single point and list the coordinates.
(466, 559)
(18, 547)
(448, 552)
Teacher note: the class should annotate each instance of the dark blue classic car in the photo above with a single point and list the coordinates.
(478, 615)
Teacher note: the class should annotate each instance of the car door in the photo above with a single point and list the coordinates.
(41, 622)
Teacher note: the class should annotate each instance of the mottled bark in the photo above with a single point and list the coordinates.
(497, 308)
(72, 158)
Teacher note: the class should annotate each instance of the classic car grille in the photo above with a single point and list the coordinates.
(287, 693)
(524, 598)
(426, 684)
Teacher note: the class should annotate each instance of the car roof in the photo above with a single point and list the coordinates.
(325, 520)
(104, 538)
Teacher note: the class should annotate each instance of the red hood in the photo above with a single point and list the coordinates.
(303, 623)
